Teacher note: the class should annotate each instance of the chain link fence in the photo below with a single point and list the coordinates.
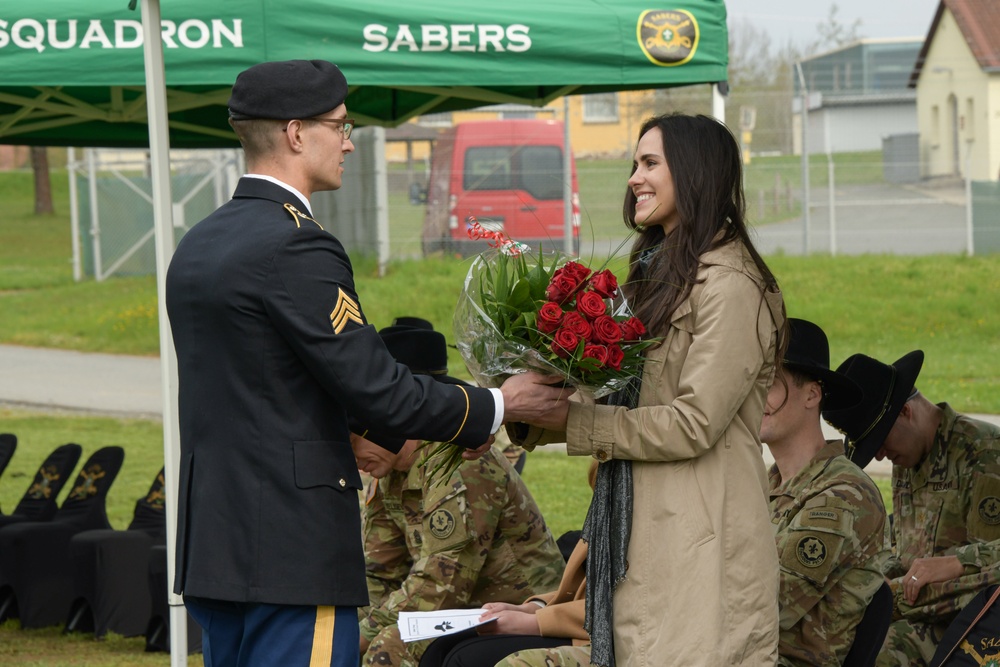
(866, 201)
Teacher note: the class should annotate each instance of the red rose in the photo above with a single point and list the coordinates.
(549, 316)
(561, 288)
(590, 305)
(605, 284)
(598, 352)
(575, 322)
(632, 329)
(615, 357)
(606, 330)
(564, 343)
(577, 270)
(566, 282)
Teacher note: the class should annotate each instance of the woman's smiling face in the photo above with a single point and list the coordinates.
(653, 185)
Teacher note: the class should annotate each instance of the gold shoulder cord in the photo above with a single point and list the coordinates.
(296, 214)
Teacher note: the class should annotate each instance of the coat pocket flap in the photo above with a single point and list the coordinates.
(325, 463)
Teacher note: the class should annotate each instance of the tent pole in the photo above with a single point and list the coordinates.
(718, 103)
(95, 221)
(159, 163)
(381, 200)
(567, 181)
(74, 213)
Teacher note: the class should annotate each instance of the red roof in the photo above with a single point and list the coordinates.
(979, 21)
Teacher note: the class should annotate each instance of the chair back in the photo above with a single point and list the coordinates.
(8, 443)
(39, 502)
(150, 514)
(871, 631)
(85, 506)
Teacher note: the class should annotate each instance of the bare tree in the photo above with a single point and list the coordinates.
(833, 33)
(43, 185)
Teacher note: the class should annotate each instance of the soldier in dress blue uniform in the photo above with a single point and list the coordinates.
(277, 365)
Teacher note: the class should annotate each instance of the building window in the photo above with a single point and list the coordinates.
(600, 108)
(935, 125)
(515, 114)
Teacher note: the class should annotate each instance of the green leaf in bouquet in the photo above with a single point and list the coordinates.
(538, 279)
(520, 296)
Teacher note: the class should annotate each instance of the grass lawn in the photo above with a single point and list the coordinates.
(949, 306)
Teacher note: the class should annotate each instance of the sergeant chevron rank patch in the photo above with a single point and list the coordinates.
(345, 311)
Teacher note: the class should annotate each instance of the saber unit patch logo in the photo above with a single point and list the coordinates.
(668, 37)
(811, 551)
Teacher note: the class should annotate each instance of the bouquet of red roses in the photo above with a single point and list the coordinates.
(541, 312)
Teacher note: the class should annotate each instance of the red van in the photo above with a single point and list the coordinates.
(506, 173)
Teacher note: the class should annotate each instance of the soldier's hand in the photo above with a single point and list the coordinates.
(478, 452)
(536, 399)
(929, 571)
(509, 622)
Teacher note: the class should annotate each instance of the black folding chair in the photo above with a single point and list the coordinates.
(158, 630)
(111, 570)
(8, 443)
(36, 580)
(871, 631)
(39, 502)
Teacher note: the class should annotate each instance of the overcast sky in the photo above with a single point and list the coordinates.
(796, 20)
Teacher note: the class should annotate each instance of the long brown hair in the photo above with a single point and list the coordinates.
(707, 171)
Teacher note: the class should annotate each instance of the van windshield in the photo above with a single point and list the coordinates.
(535, 169)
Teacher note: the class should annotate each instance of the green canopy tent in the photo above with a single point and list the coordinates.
(87, 74)
(72, 71)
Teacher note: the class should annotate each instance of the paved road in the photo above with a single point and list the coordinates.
(108, 384)
(125, 386)
(882, 218)
(868, 219)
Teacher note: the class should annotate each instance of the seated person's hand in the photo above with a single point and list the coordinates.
(929, 571)
(536, 399)
(511, 619)
(478, 452)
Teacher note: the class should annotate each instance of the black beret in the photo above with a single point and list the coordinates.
(288, 89)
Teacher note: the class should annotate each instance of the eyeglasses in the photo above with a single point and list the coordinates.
(347, 125)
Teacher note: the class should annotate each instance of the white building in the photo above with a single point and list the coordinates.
(857, 95)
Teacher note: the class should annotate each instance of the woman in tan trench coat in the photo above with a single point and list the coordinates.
(700, 570)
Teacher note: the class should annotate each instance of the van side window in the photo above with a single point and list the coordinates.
(535, 169)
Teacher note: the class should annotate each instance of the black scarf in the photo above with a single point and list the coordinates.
(607, 531)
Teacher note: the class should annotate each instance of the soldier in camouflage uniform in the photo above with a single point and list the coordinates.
(455, 541)
(946, 501)
(828, 515)
(560, 656)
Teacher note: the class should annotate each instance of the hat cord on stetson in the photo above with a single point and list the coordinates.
(885, 406)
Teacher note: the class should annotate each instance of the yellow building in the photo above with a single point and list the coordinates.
(601, 125)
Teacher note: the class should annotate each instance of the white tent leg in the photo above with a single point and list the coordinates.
(159, 150)
(74, 214)
(718, 104)
(381, 201)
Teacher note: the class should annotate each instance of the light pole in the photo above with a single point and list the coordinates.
(804, 115)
